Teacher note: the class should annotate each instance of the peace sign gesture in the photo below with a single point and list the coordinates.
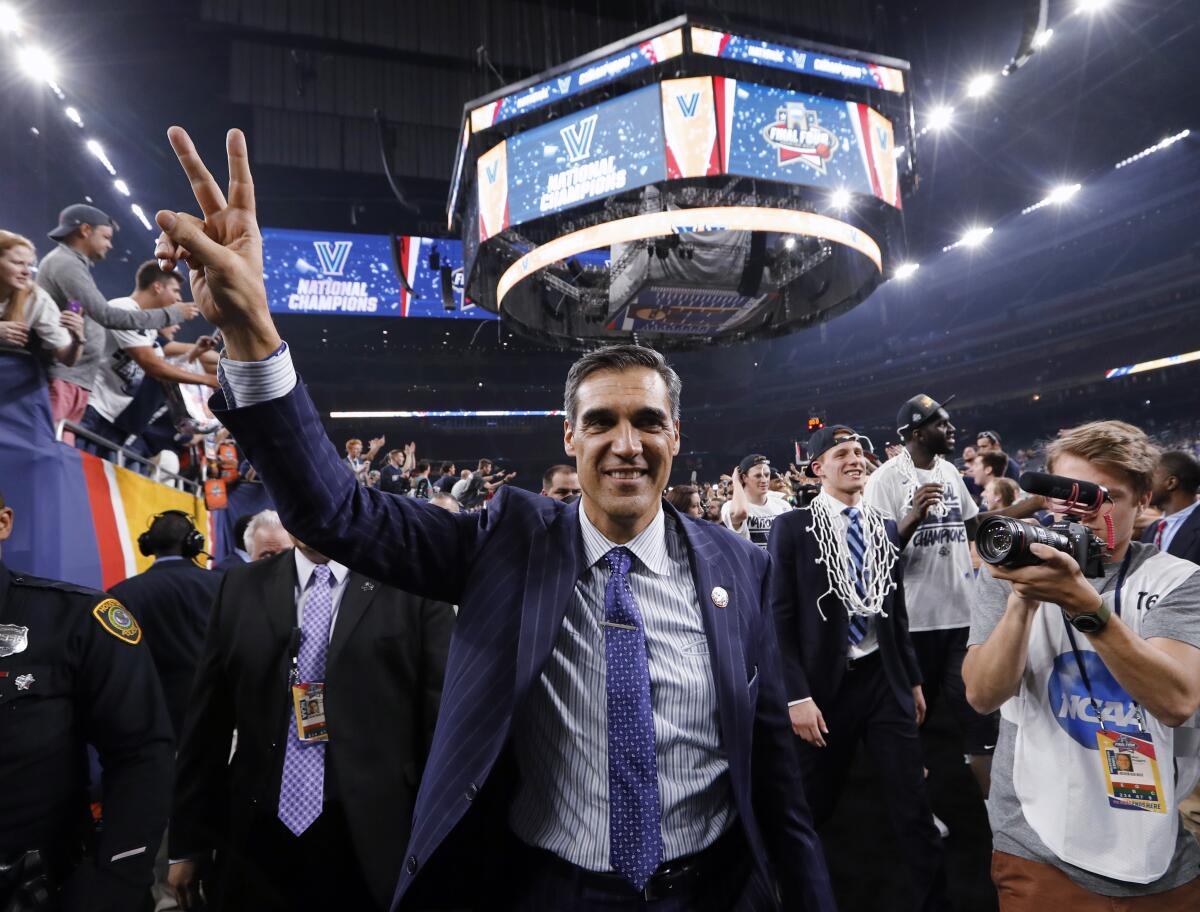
(223, 251)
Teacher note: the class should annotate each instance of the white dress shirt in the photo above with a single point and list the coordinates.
(304, 571)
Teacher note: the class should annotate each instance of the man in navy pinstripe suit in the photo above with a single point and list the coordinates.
(613, 720)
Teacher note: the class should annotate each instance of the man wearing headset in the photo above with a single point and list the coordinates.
(172, 600)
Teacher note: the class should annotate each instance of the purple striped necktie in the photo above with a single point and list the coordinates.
(634, 826)
(302, 788)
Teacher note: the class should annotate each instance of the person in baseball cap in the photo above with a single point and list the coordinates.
(77, 214)
(753, 506)
(917, 411)
(826, 439)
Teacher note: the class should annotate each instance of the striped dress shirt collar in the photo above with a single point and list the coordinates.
(649, 546)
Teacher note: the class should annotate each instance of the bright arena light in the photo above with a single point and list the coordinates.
(10, 22)
(98, 150)
(141, 215)
(1042, 38)
(980, 85)
(974, 237)
(940, 117)
(37, 64)
(73, 116)
(122, 187)
(904, 270)
(840, 198)
(789, 243)
(1091, 6)
(1062, 193)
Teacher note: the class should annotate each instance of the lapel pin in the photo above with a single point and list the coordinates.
(368, 586)
(23, 682)
(720, 597)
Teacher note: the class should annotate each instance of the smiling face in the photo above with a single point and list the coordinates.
(842, 470)
(16, 269)
(623, 441)
(757, 481)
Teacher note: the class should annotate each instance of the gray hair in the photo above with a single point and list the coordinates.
(267, 519)
(620, 357)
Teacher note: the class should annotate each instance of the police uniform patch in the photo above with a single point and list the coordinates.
(116, 619)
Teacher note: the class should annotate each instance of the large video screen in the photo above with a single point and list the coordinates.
(328, 272)
(605, 149)
(780, 135)
(423, 259)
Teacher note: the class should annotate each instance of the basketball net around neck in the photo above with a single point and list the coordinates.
(908, 473)
(834, 550)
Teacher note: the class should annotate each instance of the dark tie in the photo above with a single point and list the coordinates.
(634, 826)
(302, 789)
(858, 550)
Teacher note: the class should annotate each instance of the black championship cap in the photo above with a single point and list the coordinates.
(751, 461)
(824, 440)
(917, 410)
(80, 214)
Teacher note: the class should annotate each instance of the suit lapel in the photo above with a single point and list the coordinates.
(710, 569)
(281, 597)
(555, 563)
(1182, 541)
(359, 593)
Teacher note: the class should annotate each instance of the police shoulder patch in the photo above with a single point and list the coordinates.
(116, 619)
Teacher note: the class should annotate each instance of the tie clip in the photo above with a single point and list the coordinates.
(618, 626)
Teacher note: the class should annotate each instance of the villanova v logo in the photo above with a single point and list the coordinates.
(333, 255)
(688, 104)
(491, 171)
(578, 138)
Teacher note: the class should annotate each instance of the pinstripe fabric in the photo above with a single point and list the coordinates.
(512, 571)
(561, 741)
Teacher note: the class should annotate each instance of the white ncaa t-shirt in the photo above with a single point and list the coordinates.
(939, 579)
(757, 526)
(119, 376)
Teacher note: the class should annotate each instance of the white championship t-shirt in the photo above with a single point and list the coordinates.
(119, 376)
(938, 576)
(757, 526)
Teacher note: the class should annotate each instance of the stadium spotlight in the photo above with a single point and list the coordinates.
(840, 198)
(10, 22)
(975, 236)
(98, 150)
(789, 243)
(1061, 193)
(980, 85)
(905, 270)
(73, 116)
(37, 64)
(1042, 38)
(122, 187)
(940, 117)
(1091, 6)
(137, 210)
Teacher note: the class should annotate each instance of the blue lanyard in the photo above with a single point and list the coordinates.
(1121, 574)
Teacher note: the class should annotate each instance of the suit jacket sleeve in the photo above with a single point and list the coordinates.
(199, 819)
(437, 624)
(784, 602)
(403, 541)
(777, 791)
(908, 655)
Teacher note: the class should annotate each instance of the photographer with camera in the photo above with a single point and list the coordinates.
(1089, 644)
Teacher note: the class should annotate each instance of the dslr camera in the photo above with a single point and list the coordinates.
(1004, 542)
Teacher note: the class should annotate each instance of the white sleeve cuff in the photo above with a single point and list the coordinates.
(792, 703)
(250, 382)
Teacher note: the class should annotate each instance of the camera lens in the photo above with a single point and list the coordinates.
(1005, 541)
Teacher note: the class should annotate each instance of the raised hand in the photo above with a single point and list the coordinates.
(223, 250)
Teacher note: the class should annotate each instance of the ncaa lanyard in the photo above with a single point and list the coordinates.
(1121, 574)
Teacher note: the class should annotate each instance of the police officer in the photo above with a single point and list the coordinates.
(73, 672)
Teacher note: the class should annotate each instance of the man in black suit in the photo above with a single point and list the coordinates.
(1176, 480)
(382, 654)
(172, 600)
(849, 666)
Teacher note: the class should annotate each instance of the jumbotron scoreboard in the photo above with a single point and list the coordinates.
(686, 187)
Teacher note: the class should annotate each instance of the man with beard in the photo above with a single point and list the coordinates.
(1176, 480)
(935, 520)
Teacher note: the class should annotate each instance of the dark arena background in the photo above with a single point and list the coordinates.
(814, 209)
